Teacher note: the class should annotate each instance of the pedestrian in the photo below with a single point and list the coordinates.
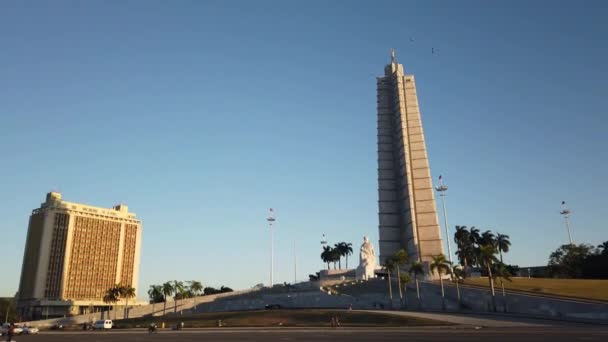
(10, 331)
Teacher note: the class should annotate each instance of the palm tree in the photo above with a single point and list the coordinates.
(457, 274)
(335, 256)
(112, 296)
(178, 288)
(195, 287)
(487, 238)
(340, 252)
(326, 255)
(167, 289)
(400, 259)
(474, 235)
(487, 257)
(127, 292)
(388, 266)
(348, 250)
(502, 244)
(417, 269)
(603, 247)
(155, 293)
(463, 242)
(441, 266)
(109, 298)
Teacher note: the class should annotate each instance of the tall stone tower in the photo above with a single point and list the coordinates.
(407, 212)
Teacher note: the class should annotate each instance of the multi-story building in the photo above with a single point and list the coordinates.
(73, 254)
(407, 211)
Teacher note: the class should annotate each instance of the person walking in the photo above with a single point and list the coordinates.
(10, 332)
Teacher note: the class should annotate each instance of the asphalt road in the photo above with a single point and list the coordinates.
(590, 333)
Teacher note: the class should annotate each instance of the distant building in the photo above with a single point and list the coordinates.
(73, 254)
(407, 211)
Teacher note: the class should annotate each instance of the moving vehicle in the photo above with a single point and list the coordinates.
(30, 330)
(102, 324)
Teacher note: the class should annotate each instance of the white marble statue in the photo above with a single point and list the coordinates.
(367, 260)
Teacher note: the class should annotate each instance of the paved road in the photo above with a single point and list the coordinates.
(535, 334)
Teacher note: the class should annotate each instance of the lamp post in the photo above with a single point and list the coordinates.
(323, 244)
(441, 188)
(566, 213)
(271, 220)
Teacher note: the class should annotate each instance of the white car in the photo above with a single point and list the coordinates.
(102, 324)
(30, 330)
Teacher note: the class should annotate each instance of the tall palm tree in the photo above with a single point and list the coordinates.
(441, 266)
(109, 298)
(127, 292)
(417, 269)
(168, 290)
(400, 259)
(457, 274)
(348, 250)
(487, 257)
(335, 256)
(178, 288)
(113, 295)
(502, 244)
(461, 238)
(474, 235)
(487, 238)
(326, 255)
(389, 266)
(340, 252)
(404, 279)
(155, 293)
(603, 247)
(195, 287)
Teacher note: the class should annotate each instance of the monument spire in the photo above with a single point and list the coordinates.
(392, 55)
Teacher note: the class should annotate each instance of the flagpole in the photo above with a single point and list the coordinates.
(442, 189)
(271, 220)
(566, 213)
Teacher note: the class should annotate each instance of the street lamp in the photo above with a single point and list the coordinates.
(441, 188)
(566, 213)
(271, 220)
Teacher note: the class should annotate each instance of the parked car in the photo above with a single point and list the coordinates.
(57, 327)
(102, 324)
(30, 330)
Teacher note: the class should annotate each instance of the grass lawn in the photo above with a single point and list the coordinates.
(266, 318)
(579, 288)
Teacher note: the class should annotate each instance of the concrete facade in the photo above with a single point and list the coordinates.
(406, 201)
(73, 254)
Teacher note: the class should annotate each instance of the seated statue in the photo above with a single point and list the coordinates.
(367, 261)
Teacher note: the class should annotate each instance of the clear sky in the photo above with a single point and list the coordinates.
(200, 115)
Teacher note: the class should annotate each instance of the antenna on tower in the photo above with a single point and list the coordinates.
(392, 55)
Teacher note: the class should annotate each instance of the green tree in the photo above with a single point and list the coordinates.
(462, 238)
(404, 279)
(399, 259)
(127, 292)
(603, 248)
(112, 296)
(389, 266)
(440, 265)
(417, 269)
(335, 256)
(155, 293)
(487, 258)
(502, 244)
(326, 255)
(168, 290)
(487, 238)
(568, 260)
(457, 274)
(340, 251)
(179, 289)
(347, 248)
(195, 287)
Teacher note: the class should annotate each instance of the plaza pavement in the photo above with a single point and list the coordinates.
(454, 333)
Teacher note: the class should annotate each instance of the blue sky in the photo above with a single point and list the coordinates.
(200, 115)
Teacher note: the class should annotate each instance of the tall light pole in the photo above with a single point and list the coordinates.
(442, 188)
(271, 220)
(323, 243)
(566, 213)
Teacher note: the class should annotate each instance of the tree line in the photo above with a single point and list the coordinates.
(579, 261)
(334, 254)
(180, 290)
